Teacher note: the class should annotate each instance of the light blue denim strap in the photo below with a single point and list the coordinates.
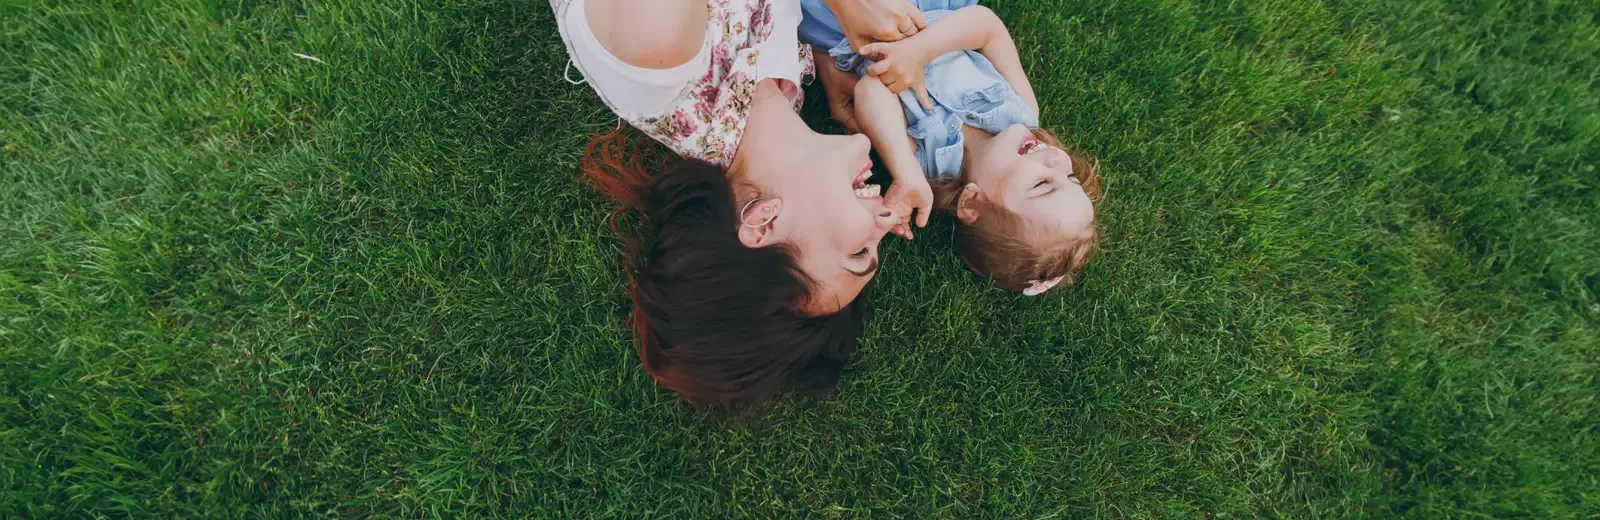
(942, 5)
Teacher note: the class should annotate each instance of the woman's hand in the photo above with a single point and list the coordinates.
(867, 21)
(899, 66)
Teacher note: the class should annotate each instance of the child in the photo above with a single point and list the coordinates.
(968, 142)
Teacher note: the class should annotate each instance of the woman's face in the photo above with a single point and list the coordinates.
(827, 213)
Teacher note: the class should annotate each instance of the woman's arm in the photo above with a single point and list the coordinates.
(659, 34)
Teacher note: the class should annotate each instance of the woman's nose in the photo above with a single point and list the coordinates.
(886, 218)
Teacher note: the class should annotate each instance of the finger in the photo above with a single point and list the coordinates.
(872, 49)
(902, 20)
(888, 33)
(877, 69)
(918, 19)
(902, 231)
(922, 96)
(857, 43)
(907, 27)
(922, 215)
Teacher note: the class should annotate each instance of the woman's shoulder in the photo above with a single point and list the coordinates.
(659, 34)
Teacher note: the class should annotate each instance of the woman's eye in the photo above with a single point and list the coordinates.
(1075, 179)
(1045, 182)
(860, 254)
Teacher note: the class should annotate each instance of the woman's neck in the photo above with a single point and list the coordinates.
(769, 122)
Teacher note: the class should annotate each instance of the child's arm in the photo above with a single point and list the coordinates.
(974, 28)
(881, 118)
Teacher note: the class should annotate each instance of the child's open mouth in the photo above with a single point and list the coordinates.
(1030, 144)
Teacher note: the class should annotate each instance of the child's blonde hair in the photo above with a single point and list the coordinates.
(1004, 247)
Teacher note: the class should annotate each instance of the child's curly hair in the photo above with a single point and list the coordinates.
(1003, 247)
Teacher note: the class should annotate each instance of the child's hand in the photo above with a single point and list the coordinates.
(909, 194)
(899, 66)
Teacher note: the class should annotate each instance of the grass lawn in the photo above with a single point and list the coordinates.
(1351, 269)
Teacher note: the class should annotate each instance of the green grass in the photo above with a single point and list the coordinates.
(1351, 268)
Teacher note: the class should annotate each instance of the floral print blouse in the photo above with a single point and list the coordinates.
(749, 41)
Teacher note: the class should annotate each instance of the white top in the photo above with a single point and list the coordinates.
(630, 89)
(698, 109)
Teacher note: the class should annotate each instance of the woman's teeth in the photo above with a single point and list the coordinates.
(868, 192)
(1034, 147)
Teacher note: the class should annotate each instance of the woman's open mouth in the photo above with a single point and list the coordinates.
(862, 189)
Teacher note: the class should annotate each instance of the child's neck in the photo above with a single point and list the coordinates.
(973, 138)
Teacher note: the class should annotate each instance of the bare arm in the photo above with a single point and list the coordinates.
(881, 118)
(974, 28)
(659, 34)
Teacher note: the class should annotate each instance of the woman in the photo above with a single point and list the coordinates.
(764, 236)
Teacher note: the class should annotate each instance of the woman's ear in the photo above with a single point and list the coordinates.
(968, 203)
(757, 223)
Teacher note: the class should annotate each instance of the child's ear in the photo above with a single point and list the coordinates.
(756, 224)
(967, 205)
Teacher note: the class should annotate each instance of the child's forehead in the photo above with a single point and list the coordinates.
(1068, 215)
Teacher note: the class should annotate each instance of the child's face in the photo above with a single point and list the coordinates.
(1033, 180)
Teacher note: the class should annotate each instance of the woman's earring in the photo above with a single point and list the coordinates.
(768, 213)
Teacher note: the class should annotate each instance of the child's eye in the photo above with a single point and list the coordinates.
(1045, 182)
(860, 254)
(1075, 179)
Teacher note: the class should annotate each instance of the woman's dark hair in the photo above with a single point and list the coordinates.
(713, 320)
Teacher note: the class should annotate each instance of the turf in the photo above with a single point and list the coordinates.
(1351, 269)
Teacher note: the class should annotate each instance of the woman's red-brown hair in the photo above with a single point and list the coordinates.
(713, 320)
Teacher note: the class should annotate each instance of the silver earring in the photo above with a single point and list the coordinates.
(746, 209)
